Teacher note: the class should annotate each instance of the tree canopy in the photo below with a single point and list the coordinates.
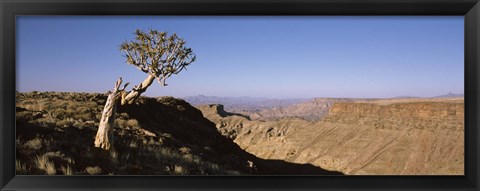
(158, 54)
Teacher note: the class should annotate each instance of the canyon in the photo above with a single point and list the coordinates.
(404, 136)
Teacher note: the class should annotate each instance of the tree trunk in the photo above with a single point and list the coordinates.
(138, 90)
(104, 138)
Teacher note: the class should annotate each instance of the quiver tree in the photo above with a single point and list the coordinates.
(154, 53)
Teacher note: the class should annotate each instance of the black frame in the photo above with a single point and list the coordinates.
(9, 9)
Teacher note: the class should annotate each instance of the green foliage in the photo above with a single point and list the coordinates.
(157, 53)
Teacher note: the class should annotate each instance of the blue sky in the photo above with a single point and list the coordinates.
(275, 57)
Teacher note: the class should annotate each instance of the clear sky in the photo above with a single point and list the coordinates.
(275, 57)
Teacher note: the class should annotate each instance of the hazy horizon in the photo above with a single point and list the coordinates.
(261, 57)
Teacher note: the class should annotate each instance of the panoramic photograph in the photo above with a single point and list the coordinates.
(239, 95)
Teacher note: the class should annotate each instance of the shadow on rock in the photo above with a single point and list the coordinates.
(187, 126)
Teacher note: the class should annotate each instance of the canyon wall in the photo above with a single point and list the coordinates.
(387, 137)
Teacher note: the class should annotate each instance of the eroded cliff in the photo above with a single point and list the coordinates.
(404, 136)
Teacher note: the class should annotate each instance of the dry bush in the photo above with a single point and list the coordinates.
(35, 143)
(63, 123)
(83, 117)
(67, 170)
(133, 144)
(20, 168)
(114, 156)
(133, 123)
(72, 105)
(179, 170)
(93, 170)
(121, 123)
(123, 115)
(83, 109)
(43, 163)
(69, 112)
(98, 116)
(92, 104)
(58, 113)
(184, 150)
(23, 115)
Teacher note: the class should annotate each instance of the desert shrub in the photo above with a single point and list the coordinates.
(23, 115)
(123, 115)
(101, 102)
(50, 168)
(83, 109)
(114, 156)
(91, 104)
(20, 167)
(29, 105)
(179, 170)
(59, 105)
(151, 141)
(120, 123)
(98, 116)
(133, 123)
(184, 150)
(35, 143)
(64, 123)
(71, 105)
(93, 170)
(58, 113)
(133, 144)
(83, 116)
(127, 124)
(69, 112)
(43, 163)
(45, 122)
(67, 170)
(191, 158)
(44, 105)
(144, 140)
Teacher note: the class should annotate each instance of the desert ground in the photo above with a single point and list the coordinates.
(172, 136)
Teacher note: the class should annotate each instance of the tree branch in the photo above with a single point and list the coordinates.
(138, 90)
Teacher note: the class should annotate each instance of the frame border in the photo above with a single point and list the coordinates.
(9, 9)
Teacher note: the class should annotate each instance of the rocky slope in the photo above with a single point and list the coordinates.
(163, 136)
(394, 136)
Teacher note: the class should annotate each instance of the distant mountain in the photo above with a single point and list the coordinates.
(270, 109)
(405, 97)
(202, 100)
(450, 94)
(241, 103)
